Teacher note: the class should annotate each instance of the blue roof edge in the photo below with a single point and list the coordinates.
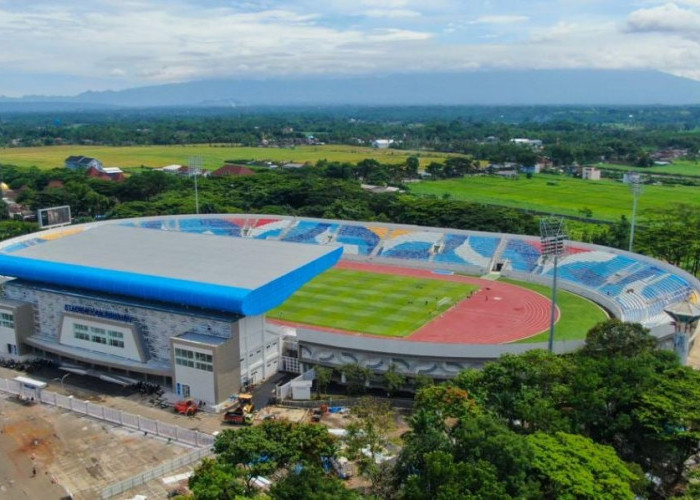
(190, 293)
(275, 292)
(171, 290)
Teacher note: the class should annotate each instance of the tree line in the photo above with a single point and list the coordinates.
(333, 190)
(616, 419)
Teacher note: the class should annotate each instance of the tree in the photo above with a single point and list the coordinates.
(311, 483)
(672, 234)
(572, 466)
(356, 377)
(393, 380)
(411, 168)
(615, 338)
(528, 390)
(368, 434)
(262, 450)
(668, 425)
(323, 377)
(446, 400)
(214, 480)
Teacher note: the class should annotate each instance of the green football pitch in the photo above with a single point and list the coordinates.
(378, 304)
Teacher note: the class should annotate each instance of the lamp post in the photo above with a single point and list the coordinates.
(552, 236)
(636, 187)
(685, 317)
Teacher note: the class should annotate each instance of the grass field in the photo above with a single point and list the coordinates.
(679, 167)
(378, 304)
(558, 194)
(578, 315)
(212, 156)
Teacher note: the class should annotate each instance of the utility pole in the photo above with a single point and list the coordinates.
(195, 167)
(636, 188)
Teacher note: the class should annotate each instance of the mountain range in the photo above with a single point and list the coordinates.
(526, 87)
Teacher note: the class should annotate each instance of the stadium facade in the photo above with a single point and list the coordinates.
(181, 300)
(186, 310)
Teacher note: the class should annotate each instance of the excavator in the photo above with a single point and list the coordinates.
(241, 413)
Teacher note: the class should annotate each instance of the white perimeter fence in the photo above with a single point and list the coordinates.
(200, 440)
(155, 427)
(154, 473)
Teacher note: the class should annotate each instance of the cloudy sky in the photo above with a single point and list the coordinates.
(64, 47)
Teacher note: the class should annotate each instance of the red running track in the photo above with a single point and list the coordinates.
(496, 314)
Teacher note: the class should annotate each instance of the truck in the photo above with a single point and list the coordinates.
(242, 412)
(186, 407)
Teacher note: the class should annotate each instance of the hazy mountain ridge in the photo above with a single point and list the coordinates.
(531, 87)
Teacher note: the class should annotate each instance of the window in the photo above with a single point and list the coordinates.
(7, 320)
(80, 332)
(98, 335)
(191, 359)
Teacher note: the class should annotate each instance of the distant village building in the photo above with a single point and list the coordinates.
(232, 171)
(590, 174)
(533, 143)
(83, 162)
(530, 169)
(379, 189)
(293, 165)
(170, 169)
(184, 171)
(382, 143)
(106, 174)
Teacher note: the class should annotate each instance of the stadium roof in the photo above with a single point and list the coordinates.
(240, 275)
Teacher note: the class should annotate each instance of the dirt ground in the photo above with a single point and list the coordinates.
(71, 454)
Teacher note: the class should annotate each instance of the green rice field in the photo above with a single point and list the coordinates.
(607, 200)
(378, 304)
(213, 156)
(578, 315)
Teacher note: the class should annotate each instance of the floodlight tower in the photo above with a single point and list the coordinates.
(195, 167)
(634, 180)
(552, 236)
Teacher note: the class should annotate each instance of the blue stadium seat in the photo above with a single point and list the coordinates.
(319, 233)
(364, 239)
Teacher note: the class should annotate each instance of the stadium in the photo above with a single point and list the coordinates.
(209, 304)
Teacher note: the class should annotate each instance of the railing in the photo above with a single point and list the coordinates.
(154, 473)
(118, 417)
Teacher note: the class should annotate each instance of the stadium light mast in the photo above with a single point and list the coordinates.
(195, 167)
(552, 236)
(636, 187)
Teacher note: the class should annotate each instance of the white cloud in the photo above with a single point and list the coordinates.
(502, 19)
(391, 13)
(667, 18)
(137, 42)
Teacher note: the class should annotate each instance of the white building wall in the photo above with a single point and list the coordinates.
(7, 336)
(260, 350)
(130, 349)
(155, 326)
(201, 382)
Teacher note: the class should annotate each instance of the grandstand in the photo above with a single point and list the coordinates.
(631, 287)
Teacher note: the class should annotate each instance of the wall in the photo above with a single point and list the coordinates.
(154, 324)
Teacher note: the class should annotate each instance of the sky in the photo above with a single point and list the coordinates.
(63, 47)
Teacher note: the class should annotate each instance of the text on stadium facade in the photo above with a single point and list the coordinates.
(99, 313)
